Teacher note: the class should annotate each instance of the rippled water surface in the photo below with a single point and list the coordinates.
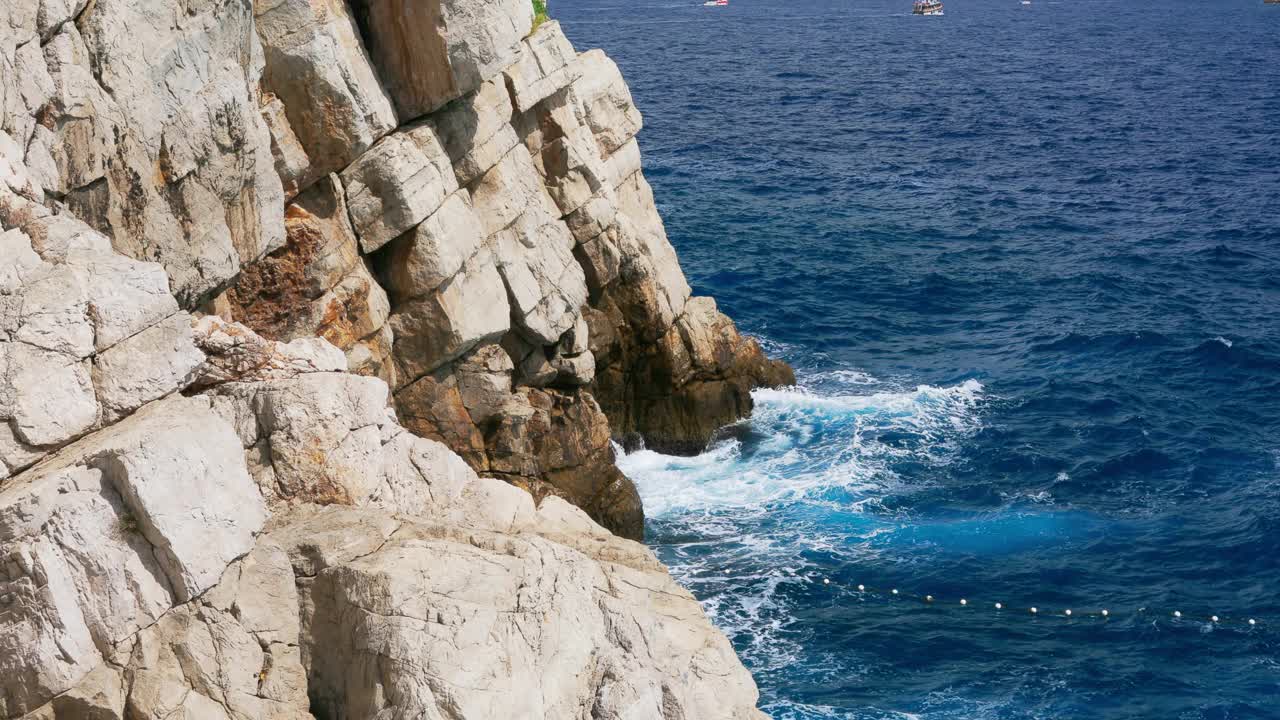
(1026, 260)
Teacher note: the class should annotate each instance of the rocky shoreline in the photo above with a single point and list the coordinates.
(318, 321)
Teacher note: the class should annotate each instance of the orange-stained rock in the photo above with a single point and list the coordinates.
(432, 408)
(563, 439)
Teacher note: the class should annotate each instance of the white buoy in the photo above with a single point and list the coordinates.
(1177, 613)
(862, 588)
(1252, 621)
(1035, 610)
(894, 591)
(963, 601)
(999, 606)
(928, 598)
(1067, 613)
(1213, 619)
(1105, 613)
(826, 581)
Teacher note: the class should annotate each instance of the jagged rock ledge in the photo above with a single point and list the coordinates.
(238, 239)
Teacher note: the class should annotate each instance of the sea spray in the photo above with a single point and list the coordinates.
(745, 524)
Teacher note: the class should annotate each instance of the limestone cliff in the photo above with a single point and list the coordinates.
(317, 320)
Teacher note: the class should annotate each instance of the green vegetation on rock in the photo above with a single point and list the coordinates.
(539, 13)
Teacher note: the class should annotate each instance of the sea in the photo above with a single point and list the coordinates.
(1026, 262)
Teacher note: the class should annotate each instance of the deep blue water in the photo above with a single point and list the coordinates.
(1026, 261)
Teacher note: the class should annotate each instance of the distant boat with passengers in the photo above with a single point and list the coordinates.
(927, 7)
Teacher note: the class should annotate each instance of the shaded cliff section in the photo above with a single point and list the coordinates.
(485, 241)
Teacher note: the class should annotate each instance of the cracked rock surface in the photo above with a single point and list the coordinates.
(319, 320)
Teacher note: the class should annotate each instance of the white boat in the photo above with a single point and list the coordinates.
(926, 7)
(715, 3)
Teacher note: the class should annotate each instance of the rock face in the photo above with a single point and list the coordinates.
(158, 142)
(318, 320)
(432, 52)
(506, 616)
(512, 219)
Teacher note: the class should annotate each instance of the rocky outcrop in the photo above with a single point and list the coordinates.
(318, 323)
(506, 616)
(140, 576)
(87, 336)
(513, 218)
(159, 143)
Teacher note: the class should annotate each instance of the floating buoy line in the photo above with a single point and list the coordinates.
(1174, 615)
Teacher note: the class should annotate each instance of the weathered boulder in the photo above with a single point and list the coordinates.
(156, 362)
(546, 285)
(104, 539)
(49, 398)
(429, 620)
(604, 101)
(316, 65)
(433, 407)
(468, 310)
(534, 251)
(397, 184)
(159, 142)
(293, 165)
(234, 353)
(324, 434)
(477, 131)
(86, 335)
(429, 53)
(422, 260)
(558, 442)
(231, 654)
(546, 64)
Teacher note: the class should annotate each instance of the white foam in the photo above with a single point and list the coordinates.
(808, 444)
(842, 377)
(1224, 341)
(903, 403)
(754, 517)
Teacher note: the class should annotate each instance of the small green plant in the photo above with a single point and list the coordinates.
(539, 13)
(128, 524)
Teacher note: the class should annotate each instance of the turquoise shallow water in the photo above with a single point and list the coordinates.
(1026, 261)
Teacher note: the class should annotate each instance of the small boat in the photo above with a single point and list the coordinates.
(715, 3)
(927, 7)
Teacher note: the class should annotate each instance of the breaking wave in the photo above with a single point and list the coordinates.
(774, 500)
